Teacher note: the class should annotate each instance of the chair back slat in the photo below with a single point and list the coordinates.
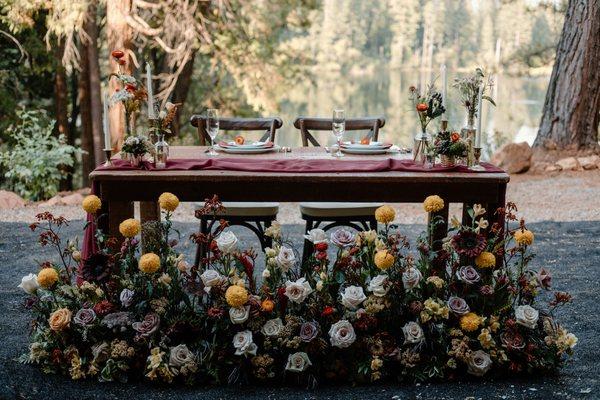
(306, 124)
(269, 125)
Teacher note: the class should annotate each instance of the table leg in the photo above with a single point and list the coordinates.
(118, 211)
(440, 230)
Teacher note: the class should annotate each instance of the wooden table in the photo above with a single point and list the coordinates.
(119, 189)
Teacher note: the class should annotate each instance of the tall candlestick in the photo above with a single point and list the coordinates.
(479, 116)
(149, 90)
(444, 87)
(106, 124)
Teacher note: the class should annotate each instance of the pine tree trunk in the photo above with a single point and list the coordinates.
(181, 91)
(94, 85)
(571, 109)
(119, 38)
(87, 136)
(61, 107)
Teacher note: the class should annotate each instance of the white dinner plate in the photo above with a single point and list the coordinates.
(247, 150)
(379, 150)
(253, 145)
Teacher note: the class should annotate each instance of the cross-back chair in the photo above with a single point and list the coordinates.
(255, 216)
(360, 216)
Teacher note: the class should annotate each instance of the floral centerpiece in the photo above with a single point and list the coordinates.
(135, 147)
(449, 145)
(429, 106)
(468, 87)
(362, 308)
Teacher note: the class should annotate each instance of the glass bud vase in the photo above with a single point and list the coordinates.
(468, 133)
(161, 152)
(421, 144)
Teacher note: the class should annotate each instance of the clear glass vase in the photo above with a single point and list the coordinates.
(422, 141)
(161, 152)
(468, 133)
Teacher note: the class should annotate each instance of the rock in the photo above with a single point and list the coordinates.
(84, 191)
(74, 199)
(589, 162)
(514, 158)
(10, 200)
(553, 168)
(568, 164)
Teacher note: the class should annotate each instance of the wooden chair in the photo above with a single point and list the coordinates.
(256, 216)
(360, 216)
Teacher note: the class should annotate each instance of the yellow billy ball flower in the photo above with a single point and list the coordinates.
(385, 214)
(47, 277)
(384, 259)
(433, 203)
(91, 204)
(168, 201)
(470, 322)
(130, 227)
(149, 263)
(236, 296)
(485, 260)
(524, 237)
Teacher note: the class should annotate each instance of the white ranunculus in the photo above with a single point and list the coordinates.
(243, 344)
(272, 327)
(180, 356)
(298, 362)
(316, 236)
(479, 363)
(286, 258)
(353, 296)
(413, 333)
(378, 285)
(29, 283)
(527, 316)
(341, 334)
(239, 315)
(211, 278)
(297, 291)
(227, 242)
(411, 278)
(266, 273)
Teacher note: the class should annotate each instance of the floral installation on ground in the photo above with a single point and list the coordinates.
(364, 307)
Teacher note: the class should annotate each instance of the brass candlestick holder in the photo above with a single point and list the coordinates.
(444, 125)
(108, 153)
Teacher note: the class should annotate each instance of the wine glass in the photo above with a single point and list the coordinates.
(339, 126)
(212, 127)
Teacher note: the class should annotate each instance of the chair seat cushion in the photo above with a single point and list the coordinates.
(248, 209)
(339, 209)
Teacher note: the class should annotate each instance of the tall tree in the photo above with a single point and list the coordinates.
(572, 107)
(93, 76)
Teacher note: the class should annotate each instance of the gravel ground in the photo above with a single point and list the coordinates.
(571, 250)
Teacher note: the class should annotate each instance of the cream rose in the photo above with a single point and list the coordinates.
(180, 356)
(60, 319)
(243, 344)
(316, 236)
(297, 291)
(411, 278)
(413, 333)
(527, 316)
(211, 278)
(341, 334)
(227, 242)
(286, 258)
(479, 363)
(239, 315)
(298, 362)
(353, 296)
(272, 327)
(29, 284)
(378, 285)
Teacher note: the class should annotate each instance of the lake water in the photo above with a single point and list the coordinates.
(385, 92)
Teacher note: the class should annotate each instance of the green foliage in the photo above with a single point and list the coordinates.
(37, 159)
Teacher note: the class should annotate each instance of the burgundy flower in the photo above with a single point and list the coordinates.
(215, 312)
(468, 243)
(328, 310)
(321, 246)
(468, 274)
(365, 323)
(309, 331)
(148, 325)
(96, 268)
(544, 278)
(458, 305)
(512, 340)
(104, 307)
(486, 290)
(321, 255)
(415, 307)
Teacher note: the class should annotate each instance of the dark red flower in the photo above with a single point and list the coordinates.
(57, 356)
(512, 340)
(104, 307)
(215, 312)
(468, 243)
(486, 290)
(322, 246)
(327, 311)
(415, 307)
(321, 255)
(121, 61)
(118, 54)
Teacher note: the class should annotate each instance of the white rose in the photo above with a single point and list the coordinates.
(243, 344)
(479, 363)
(316, 236)
(211, 278)
(378, 285)
(272, 327)
(341, 334)
(353, 296)
(227, 242)
(411, 278)
(266, 274)
(180, 356)
(286, 258)
(239, 315)
(29, 284)
(298, 362)
(297, 291)
(527, 316)
(413, 333)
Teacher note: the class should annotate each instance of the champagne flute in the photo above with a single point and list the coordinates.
(212, 127)
(339, 126)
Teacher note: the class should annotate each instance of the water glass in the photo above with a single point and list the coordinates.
(338, 127)
(212, 127)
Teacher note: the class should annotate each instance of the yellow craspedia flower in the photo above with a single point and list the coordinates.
(130, 227)
(433, 203)
(149, 263)
(524, 237)
(485, 260)
(168, 201)
(470, 322)
(91, 204)
(384, 259)
(236, 296)
(385, 214)
(47, 277)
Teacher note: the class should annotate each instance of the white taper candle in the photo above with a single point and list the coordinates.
(479, 116)
(444, 87)
(150, 94)
(106, 124)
